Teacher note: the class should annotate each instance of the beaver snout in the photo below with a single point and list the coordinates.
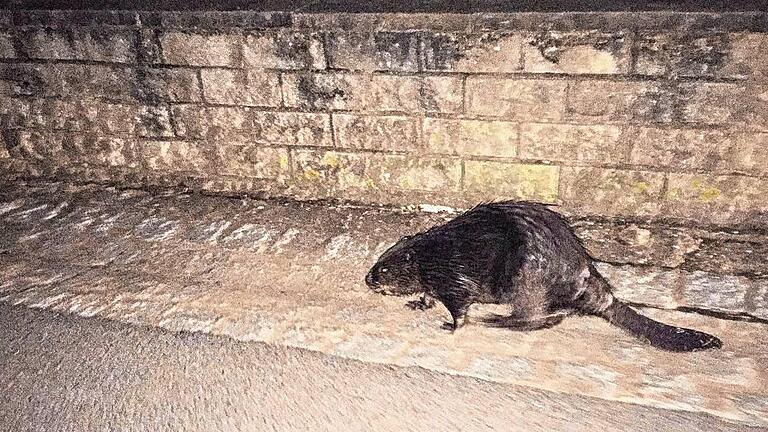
(372, 279)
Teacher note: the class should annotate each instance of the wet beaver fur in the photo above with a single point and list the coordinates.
(520, 254)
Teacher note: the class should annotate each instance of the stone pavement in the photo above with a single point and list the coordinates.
(291, 274)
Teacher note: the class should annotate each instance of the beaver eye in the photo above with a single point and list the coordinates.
(384, 270)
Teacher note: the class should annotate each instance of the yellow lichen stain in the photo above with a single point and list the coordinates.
(436, 139)
(369, 183)
(406, 182)
(283, 162)
(311, 174)
(710, 193)
(330, 160)
(639, 187)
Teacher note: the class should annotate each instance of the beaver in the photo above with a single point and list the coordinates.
(520, 254)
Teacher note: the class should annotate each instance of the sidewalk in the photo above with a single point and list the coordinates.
(292, 274)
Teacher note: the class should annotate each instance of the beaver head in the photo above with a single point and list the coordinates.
(397, 271)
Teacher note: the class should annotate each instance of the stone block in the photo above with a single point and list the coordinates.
(474, 53)
(7, 50)
(372, 92)
(687, 54)
(485, 180)
(442, 94)
(44, 80)
(471, 137)
(617, 241)
(238, 87)
(580, 52)
(154, 121)
(716, 199)
(248, 160)
(213, 123)
(611, 192)
(375, 51)
(175, 156)
(733, 104)
(168, 85)
(374, 176)
(709, 291)
(651, 286)
(351, 92)
(284, 50)
(397, 133)
(516, 99)
(76, 115)
(744, 256)
(621, 101)
(59, 149)
(199, 49)
(746, 57)
(293, 129)
(401, 172)
(699, 149)
(107, 44)
(573, 143)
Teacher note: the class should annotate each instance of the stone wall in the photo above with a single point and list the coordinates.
(632, 114)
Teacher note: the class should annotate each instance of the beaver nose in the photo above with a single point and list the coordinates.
(371, 279)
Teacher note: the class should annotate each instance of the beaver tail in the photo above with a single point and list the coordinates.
(659, 335)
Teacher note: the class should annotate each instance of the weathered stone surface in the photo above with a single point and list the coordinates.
(248, 160)
(288, 128)
(4, 145)
(175, 156)
(284, 50)
(688, 54)
(639, 285)
(116, 83)
(107, 44)
(461, 52)
(717, 199)
(471, 137)
(169, 85)
(499, 180)
(573, 143)
(6, 46)
(699, 149)
(349, 175)
(517, 99)
(761, 297)
(397, 133)
(727, 103)
(611, 191)
(619, 242)
(352, 92)
(238, 87)
(724, 293)
(213, 123)
(377, 51)
(746, 57)
(53, 150)
(199, 49)
(599, 101)
(741, 256)
(81, 115)
(154, 122)
(216, 20)
(398, 172)
(585, 52)
(442, 94)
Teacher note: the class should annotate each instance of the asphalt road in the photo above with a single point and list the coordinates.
(64, 373)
